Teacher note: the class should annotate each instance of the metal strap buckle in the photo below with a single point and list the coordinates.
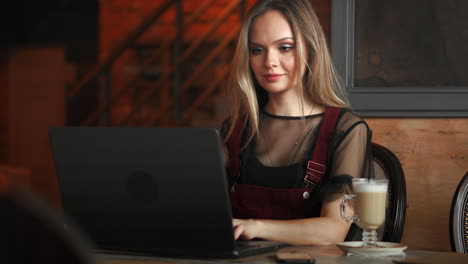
(309, 182)
(311, 178)
(311, 164)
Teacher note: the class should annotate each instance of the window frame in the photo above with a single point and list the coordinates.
(397, 101)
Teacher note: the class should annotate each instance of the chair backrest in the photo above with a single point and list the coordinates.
(387, 165)
(459, 217)
(32, 231)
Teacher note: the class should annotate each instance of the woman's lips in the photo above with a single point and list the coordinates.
(273, 77)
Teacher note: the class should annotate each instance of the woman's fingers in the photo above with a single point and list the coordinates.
(245, 229)
(238, 230)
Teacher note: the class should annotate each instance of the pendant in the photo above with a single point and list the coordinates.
(306, 195)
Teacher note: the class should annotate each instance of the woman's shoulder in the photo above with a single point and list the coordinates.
(349, 119)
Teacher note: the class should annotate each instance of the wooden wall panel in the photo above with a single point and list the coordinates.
(434, 156)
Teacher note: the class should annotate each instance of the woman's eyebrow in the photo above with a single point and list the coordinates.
(276, 41)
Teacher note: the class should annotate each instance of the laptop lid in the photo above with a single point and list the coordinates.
(151, 190)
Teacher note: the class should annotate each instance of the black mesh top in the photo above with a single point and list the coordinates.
(277, 157)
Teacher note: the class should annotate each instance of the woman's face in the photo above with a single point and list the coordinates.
(272, 53)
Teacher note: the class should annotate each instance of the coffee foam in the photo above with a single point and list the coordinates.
(369, 187)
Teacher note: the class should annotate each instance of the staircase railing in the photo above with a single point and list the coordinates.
(103, 111)
(125, 44)
(163, 82)
(166, 45)
(185, 85)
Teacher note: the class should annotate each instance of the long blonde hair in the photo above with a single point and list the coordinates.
(320, 82)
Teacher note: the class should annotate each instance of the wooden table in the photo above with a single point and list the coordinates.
(323, 255)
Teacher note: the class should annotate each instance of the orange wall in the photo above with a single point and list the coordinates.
(37, 80)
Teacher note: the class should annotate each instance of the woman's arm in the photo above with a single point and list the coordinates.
(350, 158)
(327, 229)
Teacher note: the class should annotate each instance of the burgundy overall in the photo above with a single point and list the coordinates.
(257, 202)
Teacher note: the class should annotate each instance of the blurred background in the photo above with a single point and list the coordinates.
(166, 63)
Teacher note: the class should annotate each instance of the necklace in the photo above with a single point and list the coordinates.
(296, 142)
(266, 147)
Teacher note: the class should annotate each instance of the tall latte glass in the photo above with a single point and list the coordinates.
(371, 200)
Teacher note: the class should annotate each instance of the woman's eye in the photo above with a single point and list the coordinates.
(285, 48)
(256, 50)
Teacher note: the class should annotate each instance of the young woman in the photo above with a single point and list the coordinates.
(293, 143)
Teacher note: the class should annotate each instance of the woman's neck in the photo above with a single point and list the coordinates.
(291, 107)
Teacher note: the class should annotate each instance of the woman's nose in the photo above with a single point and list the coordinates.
(271, 59)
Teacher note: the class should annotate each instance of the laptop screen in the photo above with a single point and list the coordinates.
(145, 189)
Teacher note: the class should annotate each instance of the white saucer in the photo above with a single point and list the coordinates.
(385, 248)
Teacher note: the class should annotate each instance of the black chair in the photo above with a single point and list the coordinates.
(32, 231)
(387, 165)
(459, 217)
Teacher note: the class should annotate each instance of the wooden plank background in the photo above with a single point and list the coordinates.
(434, 156)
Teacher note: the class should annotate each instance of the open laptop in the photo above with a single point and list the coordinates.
(158, 191)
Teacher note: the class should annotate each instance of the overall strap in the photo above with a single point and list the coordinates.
(234, 144)
(316, 167)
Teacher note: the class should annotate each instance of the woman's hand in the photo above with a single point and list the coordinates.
(246, 228)
(328, 229)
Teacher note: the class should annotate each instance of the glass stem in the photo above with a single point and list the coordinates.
(369, 237)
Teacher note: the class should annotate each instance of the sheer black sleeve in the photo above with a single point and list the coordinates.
(349, 156)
